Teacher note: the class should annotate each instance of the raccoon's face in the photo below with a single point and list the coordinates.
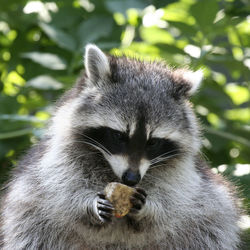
(136, 113)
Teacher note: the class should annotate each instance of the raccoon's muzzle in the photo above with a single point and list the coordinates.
(131, 178)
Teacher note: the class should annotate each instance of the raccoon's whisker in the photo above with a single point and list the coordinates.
(166, 153)
(160, 165)
(102, 149)
(90, 138)
(81, 155)
(163, 159)
(161, 156)
(152, 177)
(96, 142)
(204, 155)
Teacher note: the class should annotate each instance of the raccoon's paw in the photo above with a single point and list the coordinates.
(138, 200)
(104, 209)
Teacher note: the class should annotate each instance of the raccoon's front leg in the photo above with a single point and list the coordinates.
(104, 209)
(134, 217)
(138, 200)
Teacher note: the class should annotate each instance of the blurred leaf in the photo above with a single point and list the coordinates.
(47, 60)
(8, 104)
(122, 6)
(19, 118)
(74, 16)
(204, 12)
(228, 135)
(238, 8)
(179, 12)
(100, 26)
(17, 133)
(44, 82)
(160, 3)
(184, 28)
(172, 49)
(60, 37)
(143, 50)
(1, 86)
(156, 35)
(238, 94)
(242, 114)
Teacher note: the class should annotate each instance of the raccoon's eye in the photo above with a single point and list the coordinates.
(159, 146)
(119, 136)
(153, 142)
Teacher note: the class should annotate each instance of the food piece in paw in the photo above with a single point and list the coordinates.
(119, 195)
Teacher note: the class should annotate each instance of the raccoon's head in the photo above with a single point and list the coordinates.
(136, 113)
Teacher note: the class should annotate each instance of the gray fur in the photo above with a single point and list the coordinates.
(50, 202)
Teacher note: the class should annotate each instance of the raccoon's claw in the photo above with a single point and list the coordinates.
(101, 195)
(104, 208)
(141, 191)
(138, 199)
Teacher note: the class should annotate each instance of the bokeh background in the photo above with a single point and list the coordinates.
(41, 49)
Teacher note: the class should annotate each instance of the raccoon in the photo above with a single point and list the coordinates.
(127, 121)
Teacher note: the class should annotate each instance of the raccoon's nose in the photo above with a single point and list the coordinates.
(131, 178)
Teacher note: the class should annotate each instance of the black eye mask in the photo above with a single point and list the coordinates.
(117, 142)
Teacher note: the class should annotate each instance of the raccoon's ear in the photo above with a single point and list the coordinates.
(96, 63)
(186, 82)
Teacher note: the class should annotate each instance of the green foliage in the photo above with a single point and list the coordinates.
(41, 47)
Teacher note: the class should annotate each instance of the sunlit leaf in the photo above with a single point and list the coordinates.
(239, 114)
(156, 35)
(60, 37)
(239, 94)
(179, 12)
(142, 50)
(47, 60)
(44, 82)
(12, 83)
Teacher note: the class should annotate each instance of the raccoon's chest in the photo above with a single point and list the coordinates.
(120, 231)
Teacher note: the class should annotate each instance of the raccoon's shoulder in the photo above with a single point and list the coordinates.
(202, 168)
(35, 153)
(205, 172)
(212, 179)
(27, 164)
(24, 171)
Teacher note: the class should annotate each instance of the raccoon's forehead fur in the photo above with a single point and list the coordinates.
(137, 89)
